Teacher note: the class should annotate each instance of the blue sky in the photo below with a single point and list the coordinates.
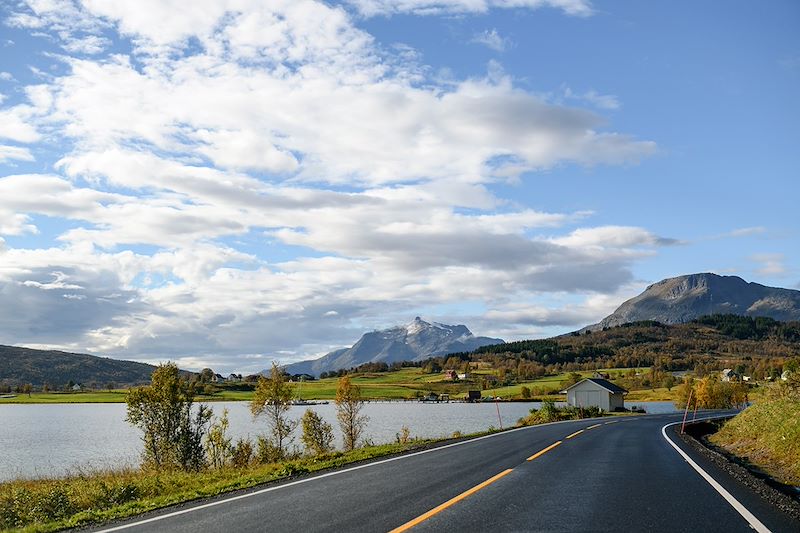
(250, 182)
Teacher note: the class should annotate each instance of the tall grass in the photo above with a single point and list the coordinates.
(93, 496)
(768, 435)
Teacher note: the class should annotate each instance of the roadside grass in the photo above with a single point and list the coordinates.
(767, 434)
(91, 497)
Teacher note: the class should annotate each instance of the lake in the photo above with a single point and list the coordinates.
(43, 440)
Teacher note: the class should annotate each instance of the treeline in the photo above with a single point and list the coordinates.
(754, 328)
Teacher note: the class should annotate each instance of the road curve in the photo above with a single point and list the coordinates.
(618, 474)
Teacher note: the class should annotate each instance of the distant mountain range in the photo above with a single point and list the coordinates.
(684, 298)
(37, 367)
(412, 342)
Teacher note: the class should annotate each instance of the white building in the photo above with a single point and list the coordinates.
(596, 392)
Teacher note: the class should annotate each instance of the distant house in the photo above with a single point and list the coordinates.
(601, 375)
(729, 375)
(452, 375)
(463, 375)
(76, 388)
(596, 392)
(473, 395)
(234, 377)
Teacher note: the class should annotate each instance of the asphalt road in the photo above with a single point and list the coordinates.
(615, 475)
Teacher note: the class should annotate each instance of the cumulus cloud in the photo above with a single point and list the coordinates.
(258, 180)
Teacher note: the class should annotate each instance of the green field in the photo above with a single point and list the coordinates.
(407, 383)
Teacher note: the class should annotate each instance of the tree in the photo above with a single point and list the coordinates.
(273, 399)
(526, 392)
(206, 375)
(668, 382)
(317, 434)
(27, 388)
(218, 444)
(173, 428)
(348, 412)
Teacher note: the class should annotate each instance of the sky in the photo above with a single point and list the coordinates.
(247, 182)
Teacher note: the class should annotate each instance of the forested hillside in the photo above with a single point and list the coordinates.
(57, 369)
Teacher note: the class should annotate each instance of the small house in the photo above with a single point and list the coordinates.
(473, 395)
(452, 375)
(76, 388)
(596, 392)
(728, 375)
(463, 375)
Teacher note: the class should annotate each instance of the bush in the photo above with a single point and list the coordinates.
(317, 434)
(404, 437)
(173, 429)
(242, 453)
(266, 451)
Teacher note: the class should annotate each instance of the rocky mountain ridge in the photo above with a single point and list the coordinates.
(411, 342)
(684, 298)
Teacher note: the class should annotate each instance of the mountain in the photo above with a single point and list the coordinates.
(685, 298)
(25, 365)
(412, 342)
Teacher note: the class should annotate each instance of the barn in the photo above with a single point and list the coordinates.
(598, 392)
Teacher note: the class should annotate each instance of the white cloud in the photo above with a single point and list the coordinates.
(291, 182)
(14, 124)
(491, 39)
(747, 232)
(593, 98)
(369, 8)
(770, 264)
(613, 237)
(18, 153)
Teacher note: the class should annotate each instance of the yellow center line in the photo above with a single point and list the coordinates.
(575, 434)
(537, 454)
(421, 518)
(594, 426)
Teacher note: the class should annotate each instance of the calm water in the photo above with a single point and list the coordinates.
(48, 440)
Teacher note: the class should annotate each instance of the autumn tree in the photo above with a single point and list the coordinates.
(272, 400)
(172, 426)
(348, 411)
(218, 443)
(317, 434)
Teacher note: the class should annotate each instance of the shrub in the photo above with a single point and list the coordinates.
(273, 399)
(404, 437)
(266, 451)
(217, 443)
(317, 434)
(242, 453)
(173, 429)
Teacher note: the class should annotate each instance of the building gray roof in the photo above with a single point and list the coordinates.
(604, 383)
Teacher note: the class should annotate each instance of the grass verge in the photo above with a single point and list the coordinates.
(767, 434)
(94, 497)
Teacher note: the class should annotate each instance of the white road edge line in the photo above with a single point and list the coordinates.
(321, 476)
(754, 522)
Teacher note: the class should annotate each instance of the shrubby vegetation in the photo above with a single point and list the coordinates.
(172, 428)
(768, 433)
(272, 400)
(711, 393)
(549, 412)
